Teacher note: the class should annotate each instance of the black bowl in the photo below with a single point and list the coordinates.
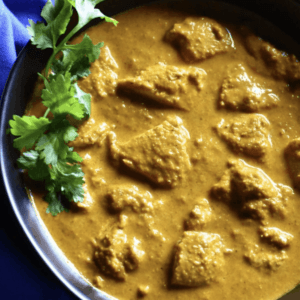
(284, 14)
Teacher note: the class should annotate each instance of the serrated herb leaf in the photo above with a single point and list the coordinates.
(55, 207)
(73, 157)
(40, 36)
(53, 145)
(86, 11)
(28, 160)
(84, 99)
(59, 97)
(70, 180)
(29, 129)
(76, 59)
(37, 169)
(57, 18)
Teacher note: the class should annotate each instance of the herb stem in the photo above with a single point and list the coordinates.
(59, 47)
(46, 112)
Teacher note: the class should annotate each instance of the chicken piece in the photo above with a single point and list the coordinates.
(90, 133)
(282, 65)
(223, 189)
(268, 261)
(264, 207)
(243, 92)
(276, 236)
(121, 197)
(245, 182)
(199, 216)
(103, 78)
(292, 157)
(248, 134)
(199, 259)
(250, 191)
(199, 38)
(159, 154)
(116, 254)
(168, 85)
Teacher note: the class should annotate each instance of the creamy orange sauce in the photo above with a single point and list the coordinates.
(138, 43)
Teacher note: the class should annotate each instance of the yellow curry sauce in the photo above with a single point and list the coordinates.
(190, 161)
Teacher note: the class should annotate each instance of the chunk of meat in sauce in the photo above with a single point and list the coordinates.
(199, 216)
(199, 38)
(250, 191)
(244, 181)
(199, 259)
(280, 64)
(265, 207)
(90, 133)
(160, 153)
(243, 92)
(268, 261)
(292, 157)
(103, 78)
(275, 236)
(168, 85)
(116, 254)
(248, 134)
(121, 197)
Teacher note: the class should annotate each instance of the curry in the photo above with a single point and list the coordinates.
(191, 162)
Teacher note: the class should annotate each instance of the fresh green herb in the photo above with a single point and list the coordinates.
(44, 142)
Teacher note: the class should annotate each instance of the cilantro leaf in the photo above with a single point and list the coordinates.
(57, 18)
(86, 11)
(28, 160)
(55, 207)
(84, 99)
(59, 97)
(64, 179)
(68, 180)
(52, 146)
(73, 157)
(37, 169)
(29, 129)
(76, 59)
(80, 56)
(40, 36)
(58, 67)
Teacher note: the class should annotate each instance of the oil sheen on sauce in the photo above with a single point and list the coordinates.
(190, 160)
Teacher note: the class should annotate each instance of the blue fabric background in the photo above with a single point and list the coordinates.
(23, 275)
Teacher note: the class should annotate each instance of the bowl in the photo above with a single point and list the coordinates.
(285, 15)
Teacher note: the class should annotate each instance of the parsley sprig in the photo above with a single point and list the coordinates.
(43, 141)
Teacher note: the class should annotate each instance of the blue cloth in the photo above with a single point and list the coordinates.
(23, 275)
(14, 15)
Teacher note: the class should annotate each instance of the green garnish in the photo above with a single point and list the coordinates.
(46, 155)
